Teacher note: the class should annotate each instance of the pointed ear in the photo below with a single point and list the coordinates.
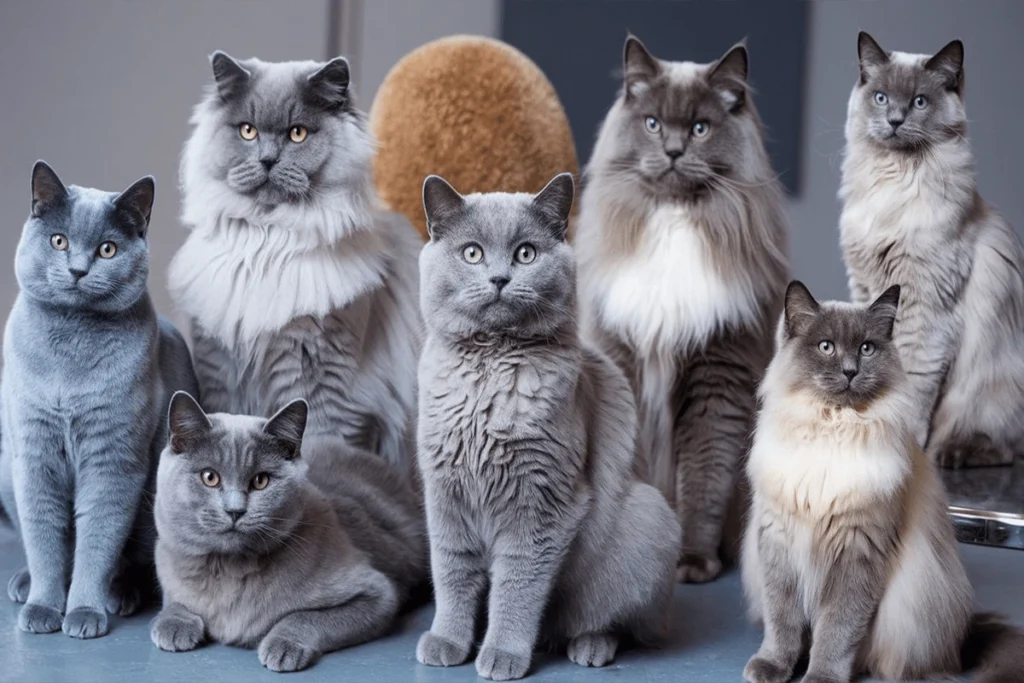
(231, 77)
(440, 202)
(801, 309)
(883, 310)
(639, 67)
(289, 424)
(328, 85)
(554, 203)
(47, 189)
(135, 205)
(728, 77)
(186, 422)
(949, 61)
(870, 54)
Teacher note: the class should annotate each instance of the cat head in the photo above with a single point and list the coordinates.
(497, 263)
(841, 353)
(82, 248)
(906, 102)
(230, 483)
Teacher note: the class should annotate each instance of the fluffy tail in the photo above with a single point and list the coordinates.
(994, 650)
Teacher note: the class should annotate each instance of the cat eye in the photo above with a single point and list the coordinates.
(297, 133)
(881, 98)
(920, 102)
(827, 347)
(210, 477)
(59, 242)
(526, 253)
(652, 124)
(701, 128)
(247, 131)
(107, 250)
(473, 253)
(261, 481)
(867, 349)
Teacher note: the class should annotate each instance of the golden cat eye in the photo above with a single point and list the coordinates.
(59, 242)
(210, 477)
(107, 250)
(260, 481)
(473, 253)
(298, 133)
(247, 131)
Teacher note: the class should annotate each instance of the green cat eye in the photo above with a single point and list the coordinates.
(59, 242)
(473, 253)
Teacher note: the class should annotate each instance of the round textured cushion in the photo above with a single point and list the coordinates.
(473, 110)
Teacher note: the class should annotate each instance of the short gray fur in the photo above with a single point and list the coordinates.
(88, 371)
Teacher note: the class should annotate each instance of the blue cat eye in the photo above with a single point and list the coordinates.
(867, 349)
(826, 347)
(881, 98)
(652, 124)
(701, 128)
(920, 102)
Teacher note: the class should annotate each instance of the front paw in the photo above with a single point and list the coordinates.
(761, 670)
(17, 587)
(694, 568)
(39, 619)
(433, 650)
(174, 634)
(281, 654)
(124, 599)
(592, 649)
(498, 665)
(86, 622)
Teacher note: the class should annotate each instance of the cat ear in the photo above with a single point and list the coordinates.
(230, 76)
(441, 201)
(328, 85)
(554, 203)
(187, 424)
(949, 61)
(289, 424)
(47, 189)
(801, 309)
(639, 67)
(136, 203)
(884, 308)
(870, 54)
(728, 76)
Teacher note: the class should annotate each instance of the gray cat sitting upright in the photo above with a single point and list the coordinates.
(526, 447)
(251, 553)
(88, 372)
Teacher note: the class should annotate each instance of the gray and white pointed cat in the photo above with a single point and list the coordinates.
(527, 447)
(88, 371)
(294, 280)
(252, 553)
(681, 243)
(912, 216)
(849, 539)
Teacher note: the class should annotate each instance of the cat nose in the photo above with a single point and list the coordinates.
(500, 281)
(850, 373)
(235, 515)
(268, 163)
(674, 154)
(895, 123)
(77, 273)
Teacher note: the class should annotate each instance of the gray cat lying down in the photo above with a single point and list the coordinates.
(251, 553)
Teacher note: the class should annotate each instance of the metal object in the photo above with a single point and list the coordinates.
(984, 527)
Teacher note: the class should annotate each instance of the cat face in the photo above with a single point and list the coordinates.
(908, 102)
(841, 352)
(84, 249)
(497, 263)
(230, 483)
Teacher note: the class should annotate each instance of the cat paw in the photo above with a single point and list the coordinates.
(823, 678)
(17, 587)
(280, 654)
(124, 599)
(85, 622)
(761, 670)
(593, 649)
(498, 665)
(695, 568)
(39, 619)
(174, 634)
(976, 451)
(434, 650)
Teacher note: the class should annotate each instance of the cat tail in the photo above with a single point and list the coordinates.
(994, 650)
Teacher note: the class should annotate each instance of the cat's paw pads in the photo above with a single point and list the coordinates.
(593, 649)
(281, 654)
(124, 599)
(174, 634)
(39, 619)
(434, 650)
(695, 568)
(498, 665)
(761, 670)
(85, 622)
(17, 587)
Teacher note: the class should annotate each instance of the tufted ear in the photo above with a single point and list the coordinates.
(327, 87)
(187, 423)
(289, 424)
(554, 203)
(728, 76)
(949, 61)
(231, 77)
(441, 201)
(801, 309)
(136, 203)
(639, 67)
(47, 189)
(870, 54)
(883, 309)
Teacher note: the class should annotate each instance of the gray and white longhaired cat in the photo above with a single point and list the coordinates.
(681, 245)
(252, 552)
(294, 280)
(527, 448)
(848, 538)
(912, 216)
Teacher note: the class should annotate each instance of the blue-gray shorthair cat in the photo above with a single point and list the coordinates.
(527, 444)
(88, 371)
(252, 553)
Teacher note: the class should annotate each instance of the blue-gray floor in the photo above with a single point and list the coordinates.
(711, 644)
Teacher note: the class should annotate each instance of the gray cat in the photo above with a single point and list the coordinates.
(681, 242)
(526, 447)
(251, 553)
(294, 280)
(848, 540)
(88, 371)
(912, 216)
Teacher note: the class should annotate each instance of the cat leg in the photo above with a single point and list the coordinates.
(212, 363)
(19, 586)
(926, 348)
(975, 450)
(176, 629)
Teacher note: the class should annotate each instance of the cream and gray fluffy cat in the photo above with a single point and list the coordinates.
(681, 242)
(848, 538)
(527, 448)
(912, 216)
(250, 552)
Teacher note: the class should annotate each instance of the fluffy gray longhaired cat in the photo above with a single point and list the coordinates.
(527, 447)
(294, 280)
(251, 552)
(912, 215)
(848, 537)
(88, 371)
(681, 245)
